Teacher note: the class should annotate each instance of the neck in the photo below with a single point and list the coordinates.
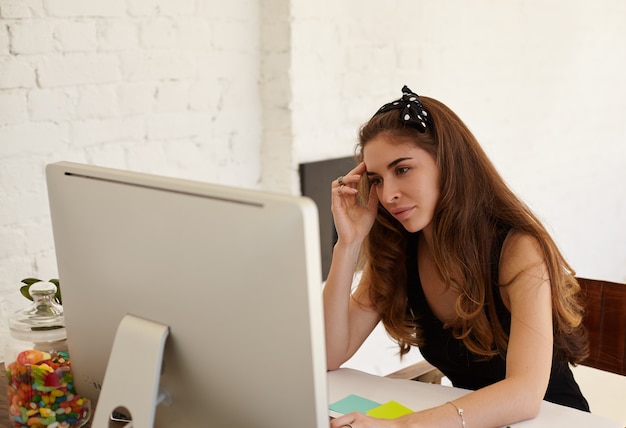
(427, 236)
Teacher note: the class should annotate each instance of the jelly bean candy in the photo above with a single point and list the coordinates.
(41, 392)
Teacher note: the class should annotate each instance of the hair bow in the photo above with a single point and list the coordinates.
(412, 112)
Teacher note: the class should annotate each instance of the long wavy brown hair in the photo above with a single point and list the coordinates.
(475, 205)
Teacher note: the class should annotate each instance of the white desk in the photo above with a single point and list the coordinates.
(418, 396)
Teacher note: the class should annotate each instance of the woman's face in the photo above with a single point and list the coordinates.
(405, 178)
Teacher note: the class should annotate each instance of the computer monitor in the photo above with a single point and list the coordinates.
(232, 274)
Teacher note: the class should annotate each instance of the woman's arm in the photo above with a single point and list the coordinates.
(348, 318)
(529, 353)
(529, 356)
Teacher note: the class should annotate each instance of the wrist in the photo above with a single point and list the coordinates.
(349, 252)
(348, 245)
(459, 411)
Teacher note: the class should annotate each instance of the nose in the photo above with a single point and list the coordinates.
(390, 192)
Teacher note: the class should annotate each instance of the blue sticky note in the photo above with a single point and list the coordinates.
(353, 403)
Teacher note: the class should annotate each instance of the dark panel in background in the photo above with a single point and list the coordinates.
(315, 182)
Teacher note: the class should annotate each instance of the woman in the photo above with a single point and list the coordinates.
(454, 263)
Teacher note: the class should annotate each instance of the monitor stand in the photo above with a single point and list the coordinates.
(133, 371)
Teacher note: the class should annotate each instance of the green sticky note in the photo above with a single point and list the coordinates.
(390, 410)
(353, 403)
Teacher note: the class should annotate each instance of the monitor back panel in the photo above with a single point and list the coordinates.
(235, 274)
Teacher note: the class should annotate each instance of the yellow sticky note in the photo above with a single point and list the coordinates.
(390, 410)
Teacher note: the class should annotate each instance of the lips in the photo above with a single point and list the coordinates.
(402, 213)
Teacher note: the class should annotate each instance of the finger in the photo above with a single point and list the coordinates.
(351, 177)
(346, 180)
(355, 174)
(342, 421)
(359, 169)
(345, 190)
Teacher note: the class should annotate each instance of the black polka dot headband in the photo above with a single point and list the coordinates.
(412, 112)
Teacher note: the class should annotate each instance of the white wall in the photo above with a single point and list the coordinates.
(163, 86)
(241, 92)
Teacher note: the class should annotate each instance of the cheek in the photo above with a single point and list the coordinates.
(433, 194)
(432, 185)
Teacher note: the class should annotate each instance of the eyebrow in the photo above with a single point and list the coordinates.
(390, 165)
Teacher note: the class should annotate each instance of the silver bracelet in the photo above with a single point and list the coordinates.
(460, 412)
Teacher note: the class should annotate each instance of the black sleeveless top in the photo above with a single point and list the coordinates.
(455, 361)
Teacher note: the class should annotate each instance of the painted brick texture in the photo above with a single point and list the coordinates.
(149, 85)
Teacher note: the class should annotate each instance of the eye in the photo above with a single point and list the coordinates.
(402, 170)
(374, 181)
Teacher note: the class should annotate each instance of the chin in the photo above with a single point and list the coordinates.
(412, 228)
(415, 225)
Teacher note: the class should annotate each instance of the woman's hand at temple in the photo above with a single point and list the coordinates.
(353, 219)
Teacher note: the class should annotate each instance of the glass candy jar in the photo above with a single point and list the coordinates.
(41, 390)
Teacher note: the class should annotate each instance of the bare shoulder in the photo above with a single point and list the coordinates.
(522, 255)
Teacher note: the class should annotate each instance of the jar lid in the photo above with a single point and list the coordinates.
(43, 320)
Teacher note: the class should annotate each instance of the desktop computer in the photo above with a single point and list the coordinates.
(203, 297)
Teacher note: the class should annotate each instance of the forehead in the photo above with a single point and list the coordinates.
(381, 150)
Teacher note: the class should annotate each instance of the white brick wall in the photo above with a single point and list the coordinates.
(16, 73)
(16, 9)
(280, 167)
(149, 85)
(31, 37)
(79, 8)
(13, 107)
(65, 36)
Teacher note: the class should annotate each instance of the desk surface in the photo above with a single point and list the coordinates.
(418, 395)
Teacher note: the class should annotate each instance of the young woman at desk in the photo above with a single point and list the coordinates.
(455, 264)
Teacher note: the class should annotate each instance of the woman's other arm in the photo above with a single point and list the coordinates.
(529, 356)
